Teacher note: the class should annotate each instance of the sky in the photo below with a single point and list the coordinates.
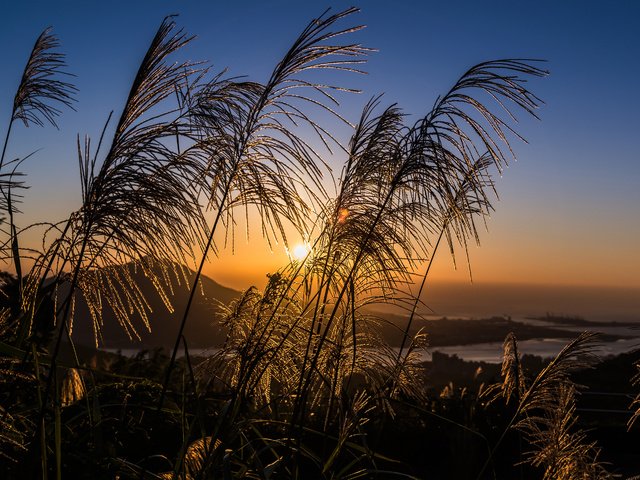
(569, 207)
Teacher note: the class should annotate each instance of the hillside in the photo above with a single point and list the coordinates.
(446, 332)
(200, 330)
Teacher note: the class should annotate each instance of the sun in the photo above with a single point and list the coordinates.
(300, 251)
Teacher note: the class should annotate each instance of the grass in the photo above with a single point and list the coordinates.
(304, 386)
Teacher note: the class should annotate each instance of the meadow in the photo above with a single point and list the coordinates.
(304, 385)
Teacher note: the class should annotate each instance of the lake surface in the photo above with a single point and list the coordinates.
(545, 347)
(479, 352)
(491, 352)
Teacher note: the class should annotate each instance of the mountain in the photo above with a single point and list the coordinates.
(201, 330)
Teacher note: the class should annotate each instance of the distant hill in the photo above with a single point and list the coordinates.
(200, 331)
(485, 299)
(447, 332)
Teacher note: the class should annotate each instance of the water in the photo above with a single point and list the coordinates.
(544, 347)
(492, 352)
(132, 352)
(480, 352)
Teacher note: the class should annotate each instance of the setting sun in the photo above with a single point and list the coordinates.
(300, 251)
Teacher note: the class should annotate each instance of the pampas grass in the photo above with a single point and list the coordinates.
(545, 412)
(304, 373)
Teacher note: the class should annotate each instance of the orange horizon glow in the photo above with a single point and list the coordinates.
(489, 264)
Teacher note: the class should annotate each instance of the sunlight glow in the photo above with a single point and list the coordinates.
(300, 251)
(342, 217)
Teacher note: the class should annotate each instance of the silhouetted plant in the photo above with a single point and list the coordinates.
(39, 96)
(247, 137)
(304, 371)
(635, 404)
(545, 412)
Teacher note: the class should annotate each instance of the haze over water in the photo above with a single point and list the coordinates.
(522, 300)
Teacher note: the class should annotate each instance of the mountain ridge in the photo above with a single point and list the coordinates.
(200, 330)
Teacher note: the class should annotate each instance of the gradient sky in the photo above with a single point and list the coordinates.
(569, 209)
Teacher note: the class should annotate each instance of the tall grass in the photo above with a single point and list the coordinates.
(304, 372)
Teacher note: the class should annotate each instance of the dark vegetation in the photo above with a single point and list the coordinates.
(453, 331)
(569, 320)
(305, 385)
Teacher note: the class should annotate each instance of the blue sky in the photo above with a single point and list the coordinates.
(569, 209)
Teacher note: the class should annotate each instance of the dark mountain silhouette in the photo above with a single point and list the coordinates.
(201, 329)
